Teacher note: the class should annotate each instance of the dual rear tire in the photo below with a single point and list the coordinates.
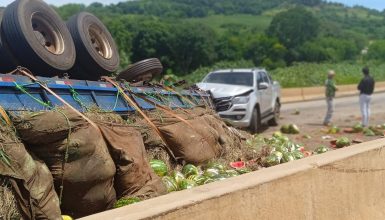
(34, 36)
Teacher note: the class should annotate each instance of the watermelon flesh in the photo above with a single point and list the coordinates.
(238, 164)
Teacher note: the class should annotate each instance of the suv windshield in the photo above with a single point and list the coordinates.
(231, 78)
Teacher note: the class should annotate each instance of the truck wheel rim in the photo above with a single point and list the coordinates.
(47, 34)
(99, 42)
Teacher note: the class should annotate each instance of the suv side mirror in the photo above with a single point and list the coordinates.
(263, 85)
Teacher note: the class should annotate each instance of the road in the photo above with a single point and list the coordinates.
(311, 115)
(313, 112)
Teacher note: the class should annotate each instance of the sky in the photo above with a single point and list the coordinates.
(374, 4)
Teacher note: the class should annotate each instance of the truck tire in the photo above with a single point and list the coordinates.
(277, 109)
(37, 37)
(255, 123)
(7, 64)
(95, 47)
(149, 66)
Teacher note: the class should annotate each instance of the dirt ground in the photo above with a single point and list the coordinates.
(311, 114)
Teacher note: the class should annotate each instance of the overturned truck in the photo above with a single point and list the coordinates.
(75, 143)
(77, 138)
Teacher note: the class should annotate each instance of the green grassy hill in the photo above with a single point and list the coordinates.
(221, 23)
(192, 38)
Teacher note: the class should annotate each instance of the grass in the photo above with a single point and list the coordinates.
(313, 74)
(302, 74)
(220, 23)
(8, 204)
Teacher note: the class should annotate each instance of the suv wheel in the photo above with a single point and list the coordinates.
(277, 111)
(255, 123)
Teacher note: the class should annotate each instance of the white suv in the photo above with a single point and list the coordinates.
(246, 97)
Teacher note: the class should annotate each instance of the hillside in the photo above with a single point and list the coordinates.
(187, 35)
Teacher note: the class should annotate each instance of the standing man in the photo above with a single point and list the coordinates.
(366, 87)
(330, 92)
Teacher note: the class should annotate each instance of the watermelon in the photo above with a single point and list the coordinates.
(209, 180)
(287, 157)
(126, 201)
(321, 150)
(271, 160)
(307, 153)
(368, 132)
(219, 178)
(177, 176)
(189, 170)
(285, 129)
(243, 171)
(211, 172)
(284, 139)
(159, 167)
(238, 164)
(334, 130)
(297, 154)
(200, 180)
(277, 154)
(186, 184)
(342, 142)
(170, 184)
(277, 134)
(290, 146)
(358, 128)
(231, 173)
(301, 149)
(215, 165)
(293, 129)
(280, 148)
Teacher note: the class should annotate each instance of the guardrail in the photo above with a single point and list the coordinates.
(313, 93)
(342, 184)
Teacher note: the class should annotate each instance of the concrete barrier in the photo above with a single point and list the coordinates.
(343, 184)
(312, 93)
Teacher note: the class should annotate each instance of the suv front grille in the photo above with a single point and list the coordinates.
(222, 104)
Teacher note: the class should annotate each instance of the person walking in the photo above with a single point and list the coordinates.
(366, 88)
(330, 93)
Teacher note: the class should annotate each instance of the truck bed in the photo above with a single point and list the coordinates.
(19, 93)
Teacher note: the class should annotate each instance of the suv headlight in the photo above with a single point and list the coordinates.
(241, 100)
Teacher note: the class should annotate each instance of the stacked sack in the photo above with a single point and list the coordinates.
(77, 157)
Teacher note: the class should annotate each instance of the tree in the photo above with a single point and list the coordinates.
(377, 51)
(307, 2)
(68, 10)
(192, 46)
(329, 49)
(266, 51)
(294, 27)
(152, 40)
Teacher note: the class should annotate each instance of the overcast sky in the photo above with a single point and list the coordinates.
(375, 4)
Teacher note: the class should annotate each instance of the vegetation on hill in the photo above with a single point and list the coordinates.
(192, 36)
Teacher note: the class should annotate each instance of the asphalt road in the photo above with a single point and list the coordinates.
(345, 107)
(311, 114)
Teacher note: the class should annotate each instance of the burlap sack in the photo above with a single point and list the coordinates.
(134, 176)
(80, 152)
(192, 140)
(30, 179)
(48, 126)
